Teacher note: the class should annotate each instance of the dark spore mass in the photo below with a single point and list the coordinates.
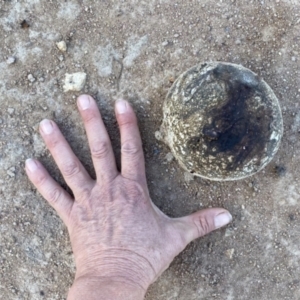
(235, 129)
(24, 24)
(280, 171)
(229, 125)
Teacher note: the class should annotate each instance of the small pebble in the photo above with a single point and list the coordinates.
(169, 157)
(188, 177)
(11, 110)
(11, 171)
(62, 46)
(158, 135)
(11, 60)
(31, 78)
(229, 253)
(228, 232)
(74, 82)
(119, 13)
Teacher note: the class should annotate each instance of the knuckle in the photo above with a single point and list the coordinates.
(40, 180)
(84, 194)
(202, 225)
(127, 120)
(70, 169)
(54, 195)
(130, 148)
(52, 143)
(135, 190)
(100, 150)
(90, 116)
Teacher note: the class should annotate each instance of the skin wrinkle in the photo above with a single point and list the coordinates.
(70, 168)
(108, 279)
(202, 226)
(111, 233)
(41, 180)
(112, 262)
(100, 150)
(85, 194)
(130, 149)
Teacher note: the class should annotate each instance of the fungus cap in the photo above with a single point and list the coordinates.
(222, 121)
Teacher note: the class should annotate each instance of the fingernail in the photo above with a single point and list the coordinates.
(222, 219)
(84, 102)
(31, 165)
(46, 126)
(121, 106)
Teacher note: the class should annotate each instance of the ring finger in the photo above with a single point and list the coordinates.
(71, 168)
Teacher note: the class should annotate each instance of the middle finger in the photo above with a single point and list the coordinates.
(99, 141)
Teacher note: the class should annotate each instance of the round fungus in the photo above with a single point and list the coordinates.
(222, 121)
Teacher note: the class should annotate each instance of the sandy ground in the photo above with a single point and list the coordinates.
(135, 49)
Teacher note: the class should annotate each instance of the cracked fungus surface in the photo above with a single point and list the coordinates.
(221, 121)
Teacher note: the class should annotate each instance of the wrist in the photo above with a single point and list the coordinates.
(100, 288)
(117, 265)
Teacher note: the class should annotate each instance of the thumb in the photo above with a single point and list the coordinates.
(203, 222)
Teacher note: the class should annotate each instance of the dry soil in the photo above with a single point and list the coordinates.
(135, 49)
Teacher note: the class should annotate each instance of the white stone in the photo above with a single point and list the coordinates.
(169, 157)
(62, 46)
(229, 253)
(188, 177)
(74, 82)
(11, 110)
(158, 135)
(31, 78)
(11, 60)
(10, 173)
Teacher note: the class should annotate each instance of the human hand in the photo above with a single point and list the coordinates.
(117, 233)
